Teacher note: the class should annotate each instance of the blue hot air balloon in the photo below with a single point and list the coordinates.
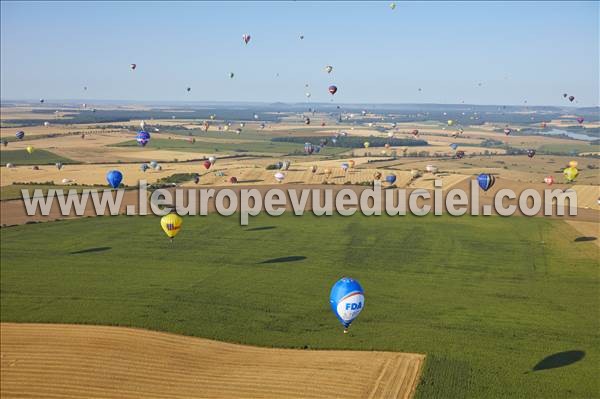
(317, 149)
(486, 181)
(144, 167)
(345, 166)
(390, 179)
(347, 300)
(143, 137)
(114, 178)
(454, 146)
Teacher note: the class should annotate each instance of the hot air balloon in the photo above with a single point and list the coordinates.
(285, 165)
(531, 153)
(301, 37)
(387, 146)
(307, 95)
(549, 180)
(114, 178)
(327, 172)
(308, 148)
(391, 179)
(486, 181)
(328, 68)
(507, 131)
(206, 164)
(46, 124)
(231, 75)
(573, 164)
(570, 173)
(460, 154)
(366, 144)
(450, 122)
(565, 95)
(196, 178)
(36, 167)
(171, 225)
(313, 169)
(132, 66)
(58, 165)
(29, 149)
(345, 166)
(332, 89)
(431, 169)
(351, 163)
(142, 138)
(212, 160)
(233, 180)
(20, 134)
(246, 38)
(307, 120)
(347, 300)
(153, 164)
(144, 167)
(41, 100)
(393, 6)
(377, 175)
(10, 165)
(580, 120)
(279, 177)
(143, 125)
(188, 89)
(415, 133)
(571, 98)
(454, 146)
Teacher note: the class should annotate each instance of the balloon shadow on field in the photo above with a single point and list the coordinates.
(90, 250)
(260, 228)
(559, 359)
(283, 259)
(584, 239)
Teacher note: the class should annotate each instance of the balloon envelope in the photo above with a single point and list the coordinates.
(171, 224)
(114, 178)
(29, 149)
(142, 138)
(390, 179)
(20, 134)
(486, 181)
(347, 300)
(332, 89)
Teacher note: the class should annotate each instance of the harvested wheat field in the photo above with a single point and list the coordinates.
(76, 361)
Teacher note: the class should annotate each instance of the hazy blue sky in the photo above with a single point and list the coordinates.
(519, 51)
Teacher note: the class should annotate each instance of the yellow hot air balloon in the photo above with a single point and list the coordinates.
(351, 163)
(366, 144)
(327, 172)
(573, 164)
(570, 173)
(29, 149)
(450, 122)
(171, 224)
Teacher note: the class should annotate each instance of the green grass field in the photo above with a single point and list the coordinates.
(576, 147)
(39, 157)
(486, 298)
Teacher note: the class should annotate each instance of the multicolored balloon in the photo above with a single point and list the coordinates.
(246, 38)
(20, 134)
(309, 148)
(486, 181)
(171, 225)
(333, 89)
(347, 300)
(142, 138)
(549, 180)
(531, 153)
(580, 120)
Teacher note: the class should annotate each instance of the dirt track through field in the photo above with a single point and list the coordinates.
(76, 361)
